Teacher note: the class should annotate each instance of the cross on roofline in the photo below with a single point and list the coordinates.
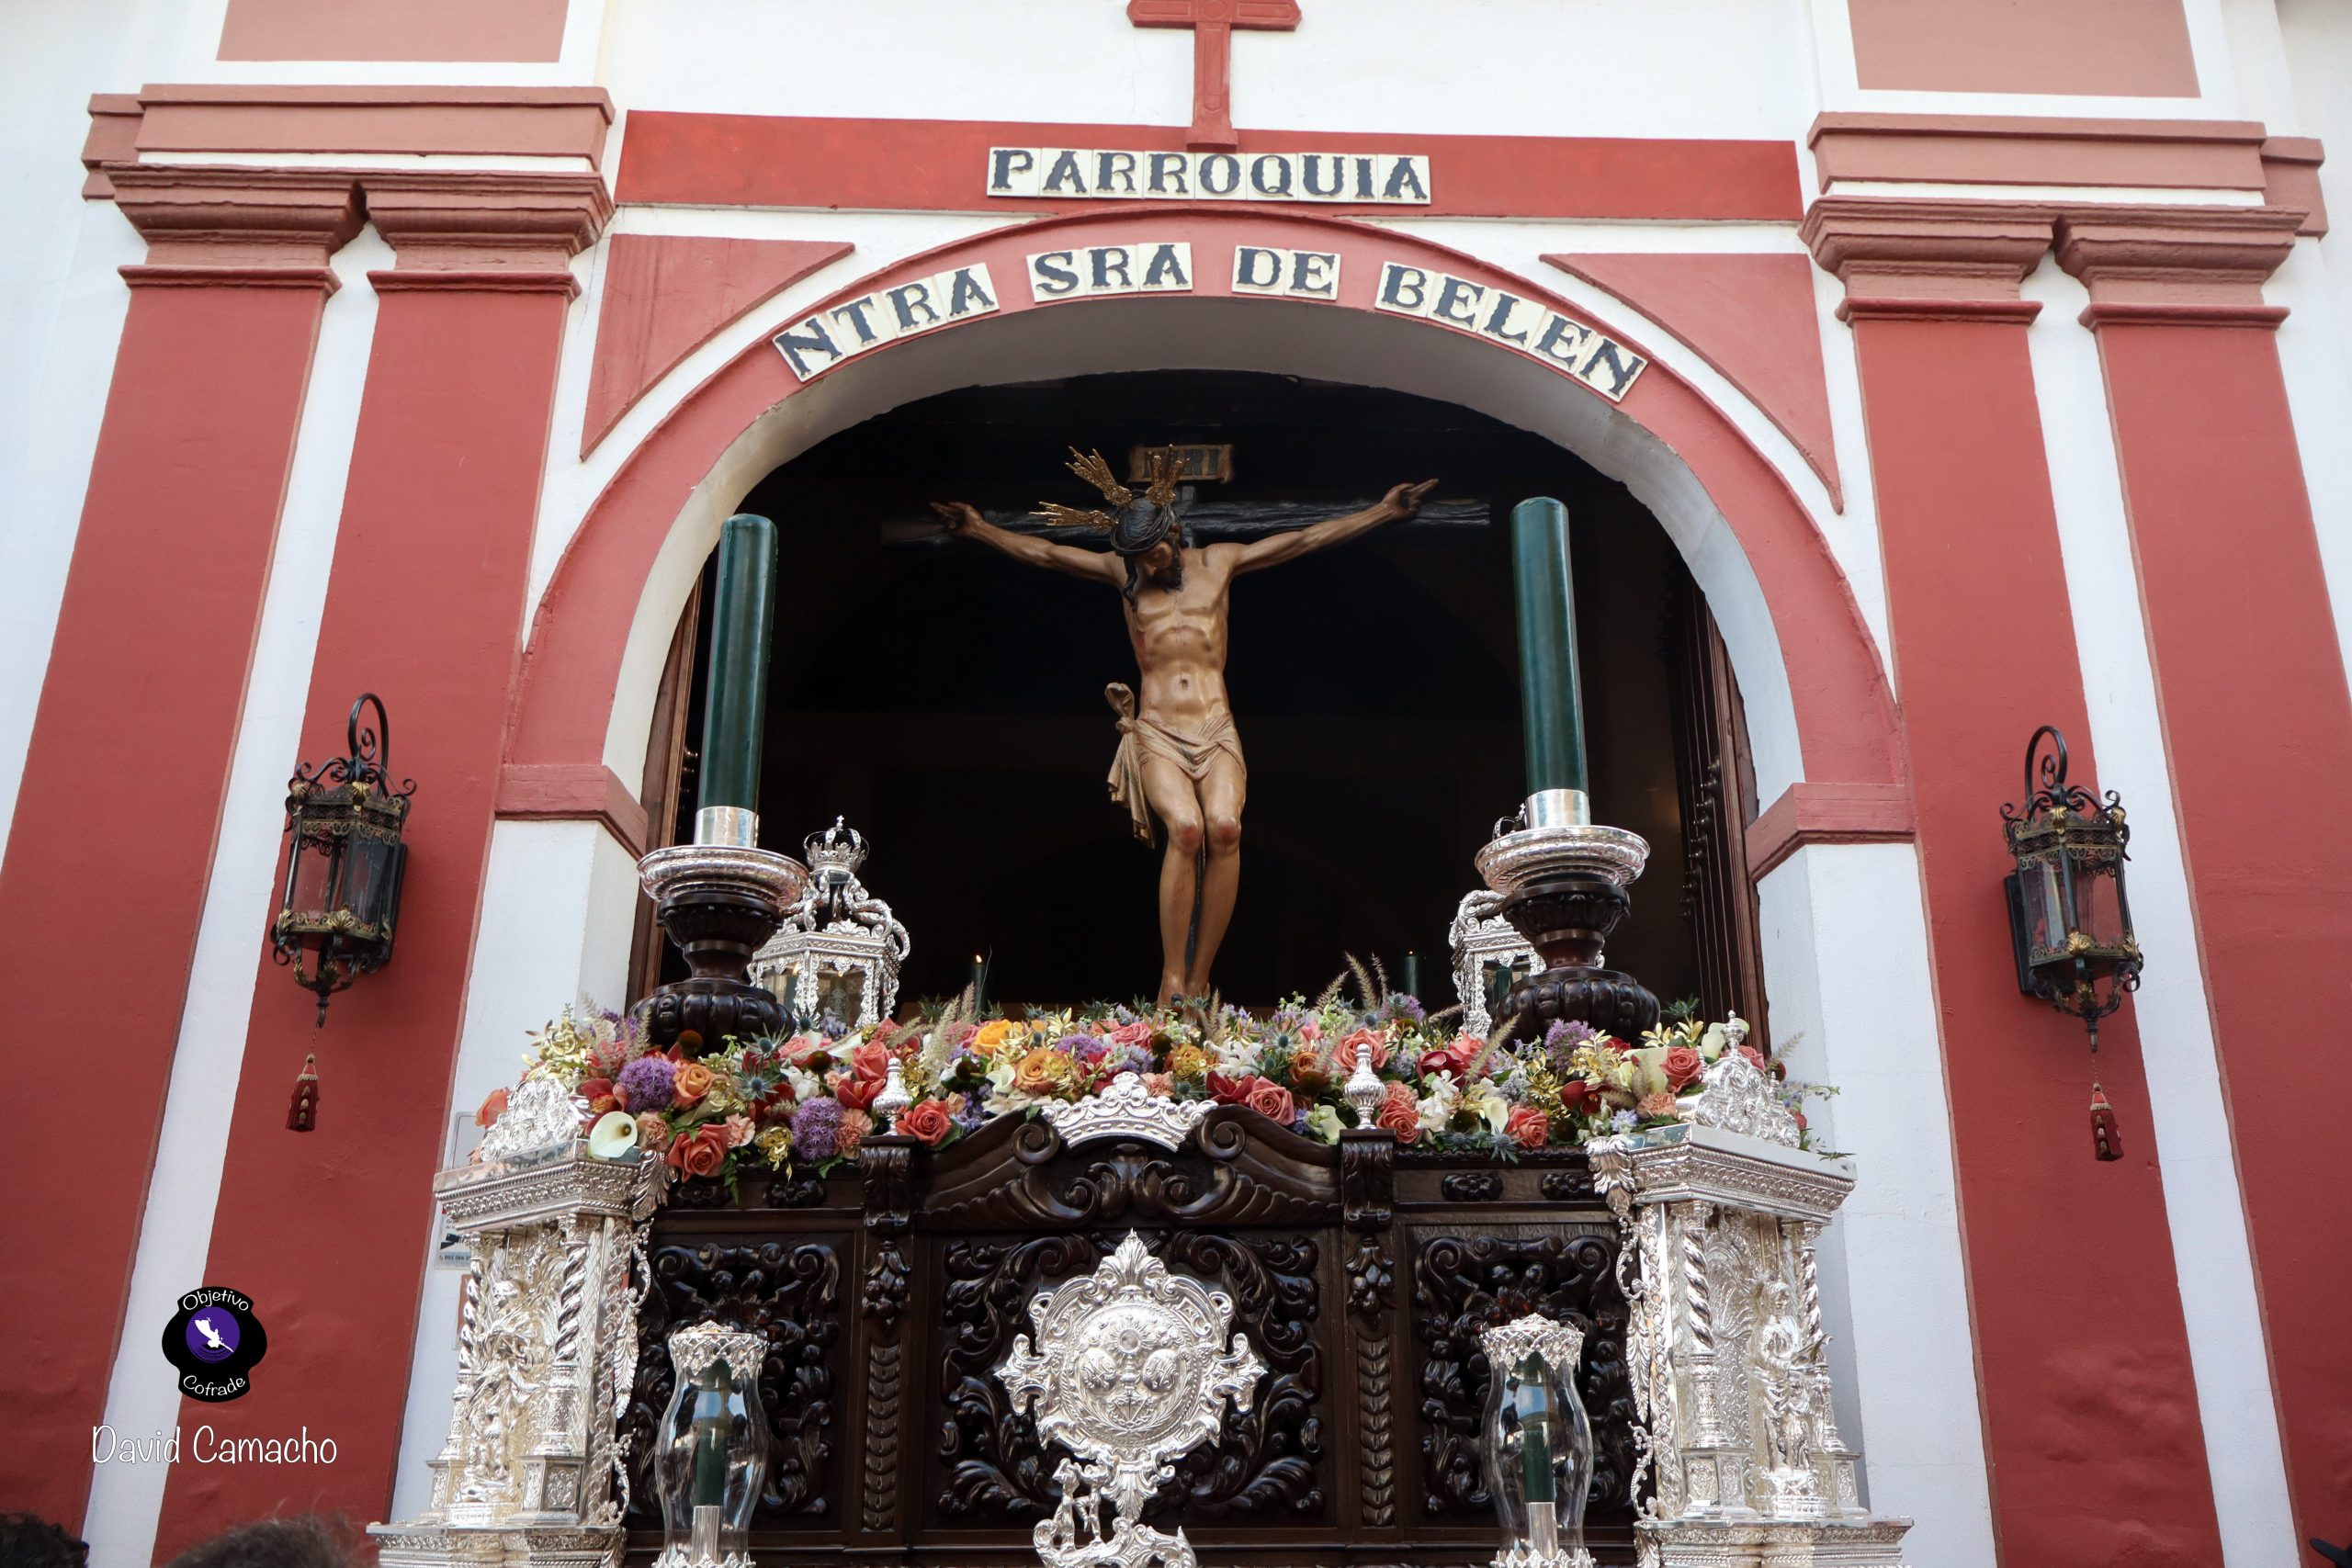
(1213, 22)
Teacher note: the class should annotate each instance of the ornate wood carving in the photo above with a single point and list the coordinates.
(1568, 1185)
(790, 1293)
(888, 1165)
(1472, 1186)
(996, 1471)
(1464, 1284)
(1012, 1175)
(1367, 1179)
(1371, 1280)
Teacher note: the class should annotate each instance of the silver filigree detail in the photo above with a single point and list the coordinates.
(1507, 1343)
(894, 1100)
(1127, 1110)
(1363, 1091)
(1134, 1369)
(1517, 860)
(1739, 1097)
(1478, 937)
(542, 1117)
(835, 928)
(693, 1348)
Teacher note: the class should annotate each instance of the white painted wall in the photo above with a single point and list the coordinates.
(1846, 964)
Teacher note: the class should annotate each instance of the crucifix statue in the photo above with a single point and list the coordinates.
(1179, 757)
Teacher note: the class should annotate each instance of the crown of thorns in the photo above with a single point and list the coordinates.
(1133, 528)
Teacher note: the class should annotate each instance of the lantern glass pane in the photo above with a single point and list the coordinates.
(2045, 906)
(840, 994)
(317, 871)
(368, 880)
(2098, 910)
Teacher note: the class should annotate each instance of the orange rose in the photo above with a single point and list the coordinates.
(694, 1081)
(855, 1092)
(1528, 1127)
(870, 1061)
(492, 1108)
(1271, 1100)
(702, 1155)
(1344, 1056)
(927, 1120)
(1041, 1072)
(1399, 1113)
(1682, 1064)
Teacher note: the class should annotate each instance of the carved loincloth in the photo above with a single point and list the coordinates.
(1140, 739)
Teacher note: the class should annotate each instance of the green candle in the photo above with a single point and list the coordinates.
(1413, 975)
(736, 710)
(1534, 1410)
(710, 1440)
(1550, 698)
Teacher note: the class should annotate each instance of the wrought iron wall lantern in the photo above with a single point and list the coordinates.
(2069, 918)
(343, 861)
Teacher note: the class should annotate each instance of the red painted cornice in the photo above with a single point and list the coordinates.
(1927, 258)
(251, 221)
(2177, 260)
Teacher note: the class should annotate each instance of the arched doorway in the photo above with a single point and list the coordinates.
(950, 702)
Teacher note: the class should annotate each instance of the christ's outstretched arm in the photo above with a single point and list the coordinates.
(1400, 503)
(1101, 566)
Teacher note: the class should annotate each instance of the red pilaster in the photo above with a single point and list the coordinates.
(2258, 726)
(326, 1229)
(2090, 1412)
(111, 849)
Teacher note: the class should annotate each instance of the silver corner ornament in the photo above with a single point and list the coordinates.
(1722, 1216)
(1132, 1369)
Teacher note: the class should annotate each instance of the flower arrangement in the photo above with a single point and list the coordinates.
(807, 1098)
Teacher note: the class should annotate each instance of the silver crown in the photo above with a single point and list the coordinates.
(838, 845)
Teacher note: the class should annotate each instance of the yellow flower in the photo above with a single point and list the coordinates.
(1042, 1071)
(1187, 1062)
(774, 1144)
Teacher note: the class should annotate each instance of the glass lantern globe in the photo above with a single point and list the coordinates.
(2070, 918)
(712, 1452)
(1538, 1443)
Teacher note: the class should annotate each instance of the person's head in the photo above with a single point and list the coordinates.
(28, 1540)
(304, 1542)
(1149, 538)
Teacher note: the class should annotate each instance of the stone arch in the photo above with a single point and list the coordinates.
(1820, 709)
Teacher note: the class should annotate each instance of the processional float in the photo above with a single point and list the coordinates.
(1740, 1462)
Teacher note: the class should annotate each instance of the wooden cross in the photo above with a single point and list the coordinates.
(1213, 22)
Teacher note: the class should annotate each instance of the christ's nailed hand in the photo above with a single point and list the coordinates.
(958, 515)
(1406, 500)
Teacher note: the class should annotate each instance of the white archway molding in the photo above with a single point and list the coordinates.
(1282, 338)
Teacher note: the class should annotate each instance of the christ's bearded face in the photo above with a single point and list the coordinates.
(1163, 567)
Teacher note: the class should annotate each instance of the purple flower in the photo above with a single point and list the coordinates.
(1083, 1047)
(816, 1129)
(1406, 1006)
(645, 1084)
(1133, 1060)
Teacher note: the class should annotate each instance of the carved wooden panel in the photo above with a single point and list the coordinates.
(1266, 1465)
(789, 1291)
(1462, 1284)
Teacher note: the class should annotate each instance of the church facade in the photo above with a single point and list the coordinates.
(1986, 365)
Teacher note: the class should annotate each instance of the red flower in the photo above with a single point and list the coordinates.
(928, 1120)
(856, 1093)
(593, 1089)
(1399, 1113)
(1683, 1065)
(1272, 1102)
(1441, 1061)
(1344, 1055)
(1753, 1055)
(703, 1153)
(1229, 1091)
(492, 1108)
(1576, 1096)
(870, 1062)
(1527, 1126)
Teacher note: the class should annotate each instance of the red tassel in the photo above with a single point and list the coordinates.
(2106, 1143)
(302, 1115)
